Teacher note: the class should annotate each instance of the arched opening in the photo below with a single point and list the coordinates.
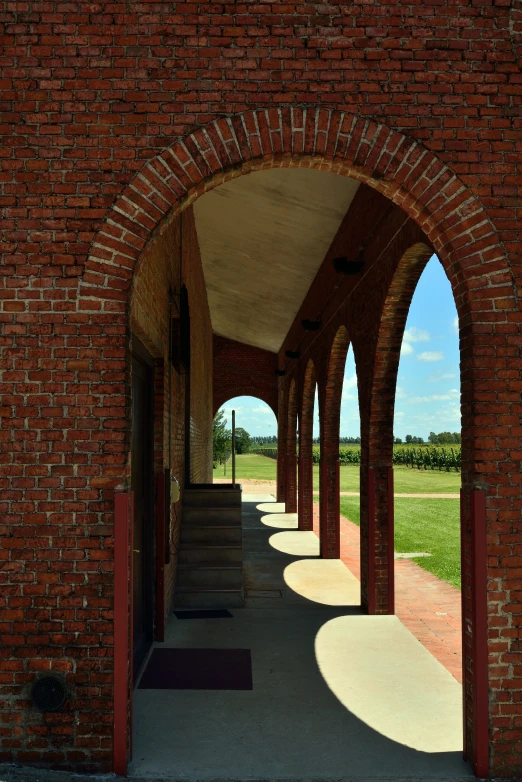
(256, 445)
(329, 464)
(426, 462)
(462, 210)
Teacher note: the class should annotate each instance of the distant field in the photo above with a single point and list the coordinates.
(407, 480)
(249, 465)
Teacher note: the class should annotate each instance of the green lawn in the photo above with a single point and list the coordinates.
(250, 465)
(423, 525)
(407, 481)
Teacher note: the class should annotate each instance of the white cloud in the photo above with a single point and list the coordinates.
(350, 382)
(406, 349)
(447, 397)
(431, 355)
(262, 410)
(455, 324)
(414, 334)
(445, 376)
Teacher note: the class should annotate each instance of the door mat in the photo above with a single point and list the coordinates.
(198, 669)
(205, 613)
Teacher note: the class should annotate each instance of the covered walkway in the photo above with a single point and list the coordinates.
(336, 694)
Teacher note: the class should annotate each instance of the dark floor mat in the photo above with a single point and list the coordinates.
(204, 613)
(198, 669)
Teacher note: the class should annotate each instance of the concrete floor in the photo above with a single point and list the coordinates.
(337, 695)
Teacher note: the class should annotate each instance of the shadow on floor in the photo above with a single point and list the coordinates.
(336, 694)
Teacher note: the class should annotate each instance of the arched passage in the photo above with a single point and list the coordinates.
(403, 170)
(329, 462)
(377, 436)
(256, 431)
(306, 434)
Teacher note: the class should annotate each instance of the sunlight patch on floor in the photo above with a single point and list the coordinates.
(298, 544)
(385, 677)
(280, 520)
(324, 581)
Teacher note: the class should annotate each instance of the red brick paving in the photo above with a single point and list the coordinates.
(427, 606)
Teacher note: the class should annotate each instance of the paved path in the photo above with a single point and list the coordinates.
(430, 608)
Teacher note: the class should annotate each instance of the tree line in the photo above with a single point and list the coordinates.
(222, 437)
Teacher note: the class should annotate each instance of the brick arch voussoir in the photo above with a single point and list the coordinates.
(331, 140)
(333, 393)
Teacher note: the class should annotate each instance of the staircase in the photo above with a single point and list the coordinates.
(210, 559)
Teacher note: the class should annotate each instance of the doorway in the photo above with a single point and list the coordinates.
(142, 483)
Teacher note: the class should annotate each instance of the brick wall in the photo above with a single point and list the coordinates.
(243, 370)
(420, 101)
(155, 294)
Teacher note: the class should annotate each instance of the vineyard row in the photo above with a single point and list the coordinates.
(416, 457)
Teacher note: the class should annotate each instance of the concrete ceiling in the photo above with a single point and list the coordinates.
(263, 237)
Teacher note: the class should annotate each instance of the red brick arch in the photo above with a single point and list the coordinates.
(388, 349)
(377, 429)
(450, 215)
(329, 460)
(306, 434)
(402, 169)
(220, 401)
(291, 450)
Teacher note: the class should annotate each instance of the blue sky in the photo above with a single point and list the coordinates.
(428, 386)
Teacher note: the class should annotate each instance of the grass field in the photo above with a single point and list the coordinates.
(421, 524)
(407, 481)
(426, 525)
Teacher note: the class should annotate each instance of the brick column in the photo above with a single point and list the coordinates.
(305, 505)
(329, 508)
(377, 540)
(282, 424)
(291, 479)
(291, 448)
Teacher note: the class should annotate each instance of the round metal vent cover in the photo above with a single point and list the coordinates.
(48, 693)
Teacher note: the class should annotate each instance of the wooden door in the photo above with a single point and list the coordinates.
(142, 486)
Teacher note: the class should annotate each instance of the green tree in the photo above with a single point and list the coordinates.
(242, 440)
(222, 437)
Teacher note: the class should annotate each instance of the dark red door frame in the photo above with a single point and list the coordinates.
(123, 545)
(160, 557)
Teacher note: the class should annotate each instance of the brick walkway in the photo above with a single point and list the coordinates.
(427, 606)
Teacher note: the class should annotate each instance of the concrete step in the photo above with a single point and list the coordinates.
(195, 514)
(208, 598)
(218, 534)
(202, 555)
(210, 576)
(212, 495)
